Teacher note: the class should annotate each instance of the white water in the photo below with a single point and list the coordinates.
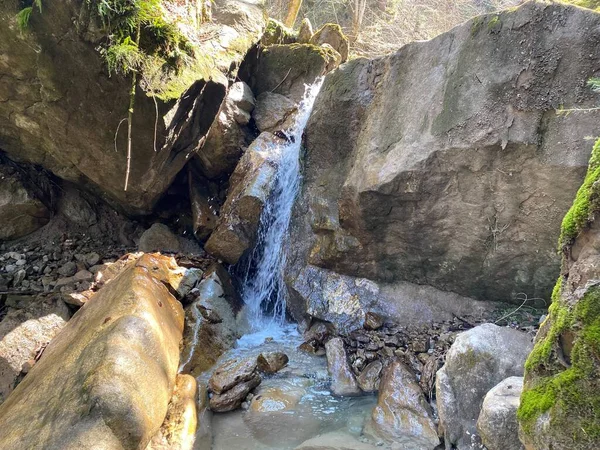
(263, 281)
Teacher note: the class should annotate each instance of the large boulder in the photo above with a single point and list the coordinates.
(285, 69)
(90, 386)
(479, 359)
(560, 404)
(497, 424)
(402, 414)
(68, 126)
(250, 186)
(439, 164)
(25, 330)
(212, 321)
(21, 212)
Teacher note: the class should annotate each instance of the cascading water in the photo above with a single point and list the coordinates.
(263, 279)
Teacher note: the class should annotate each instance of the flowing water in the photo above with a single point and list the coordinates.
(296, 402)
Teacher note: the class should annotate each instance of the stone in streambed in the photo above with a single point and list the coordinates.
(343, 382)
(231, 373)
(272, 362)
(402, 414)
(233, 398)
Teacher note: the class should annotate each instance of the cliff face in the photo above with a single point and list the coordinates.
(446, 163)
(560, 405)
(59, 108)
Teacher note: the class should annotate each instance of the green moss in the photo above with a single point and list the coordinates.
(494, 23)
(476, 24)
(585, 204)
(277, 33)
(570, 395)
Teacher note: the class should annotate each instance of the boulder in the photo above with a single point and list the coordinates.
(402, 414)
(69, 128)
(272, 362)
(305, 32)
(178, 430)
(286, 69)
(231, 373)
(24, 333)
(227, 137)
(560, 403)
(369, 378)
(21, 212)
(211, 322)
(477, 361)
(440, 192)
(274, 112)
(497, 424)
(345, 301)
(332, 34)
(159, 238)
(250, 186)
(233, 398)
(91, 384)
(343, 382)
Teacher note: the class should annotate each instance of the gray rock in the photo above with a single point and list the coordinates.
(402, 414)
(497, 424)
(343, 382)
(440, 191)
(68, 270)
(21, 212)
(250, 185)
(159, 238)
(274, 112)
(332, 34)
(305, 31)
(478, 360)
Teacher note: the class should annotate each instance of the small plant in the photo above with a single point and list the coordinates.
(24, 15)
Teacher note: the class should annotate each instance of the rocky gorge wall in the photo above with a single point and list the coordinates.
(446, 164)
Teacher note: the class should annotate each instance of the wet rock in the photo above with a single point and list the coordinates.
(227, 138)
(24, 332)
(497, 424)
(211, 322)
(179, 427)
(370, 376)
(272, 362)
(373, 321)
(311, 347)
(305, 31)
(285, 69)
(21, 212)
(335, 440)
(233, 398)
(274, 112)
(80, 385)
(402, 414)
(478, 360)
(274, 399)
(343, 382)
(250, 185)
(159, 238)
(332, 34)
(230, 373)
(320, 332)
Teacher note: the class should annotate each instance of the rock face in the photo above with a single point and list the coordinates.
(250, 185)
(402, 414)
(90, 385)
(212, 328)
(228, 135)
(478, 360)
(560, 404)
(431, 164)
(497, 423)
(20, 211)
(343, 382)
(69, 128)
(25, 330)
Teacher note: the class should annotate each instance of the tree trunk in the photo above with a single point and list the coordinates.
(292, 13)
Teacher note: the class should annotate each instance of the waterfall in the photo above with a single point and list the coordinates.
(263, 287)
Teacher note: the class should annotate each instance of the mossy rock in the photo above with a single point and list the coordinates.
(277, 33)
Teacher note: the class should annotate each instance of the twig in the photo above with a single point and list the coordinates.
(281, 82)
(520, 306)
